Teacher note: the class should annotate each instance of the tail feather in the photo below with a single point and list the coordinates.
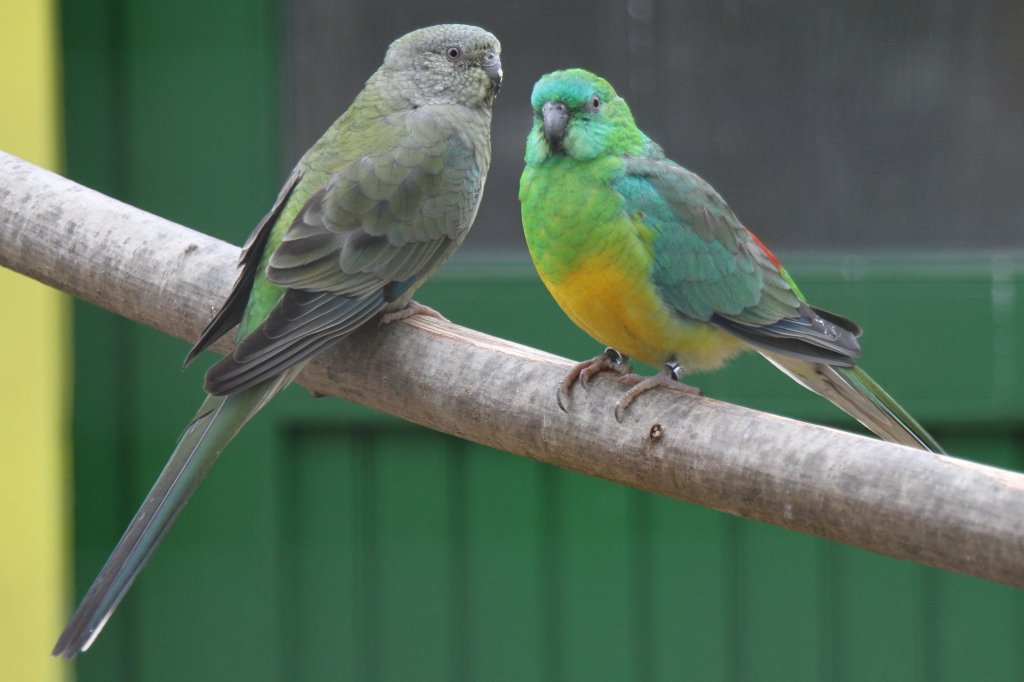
(214, 425)
(857, 394)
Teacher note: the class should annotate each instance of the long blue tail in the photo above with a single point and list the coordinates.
(214, 425)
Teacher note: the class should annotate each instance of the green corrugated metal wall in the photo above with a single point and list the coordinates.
(332, 539)
(334, 542)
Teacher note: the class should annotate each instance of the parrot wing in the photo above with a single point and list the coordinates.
(707, 266)
(230, 314)
(379, 227)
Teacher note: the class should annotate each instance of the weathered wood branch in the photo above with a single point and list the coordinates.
(889, 499)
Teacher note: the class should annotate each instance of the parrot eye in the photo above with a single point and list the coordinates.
(453, 52)
(594, 104)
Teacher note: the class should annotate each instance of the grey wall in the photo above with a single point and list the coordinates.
(847, 124)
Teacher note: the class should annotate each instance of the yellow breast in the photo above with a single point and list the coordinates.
(609, 294)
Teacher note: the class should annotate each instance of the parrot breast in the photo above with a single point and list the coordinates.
(596, 261)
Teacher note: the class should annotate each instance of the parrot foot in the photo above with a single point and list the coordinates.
(610, 360)
(411, 308)
(670, 376)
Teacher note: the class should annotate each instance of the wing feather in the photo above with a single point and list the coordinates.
(231, 312)
(709, 267)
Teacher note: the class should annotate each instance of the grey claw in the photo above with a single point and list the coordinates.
(558, 399)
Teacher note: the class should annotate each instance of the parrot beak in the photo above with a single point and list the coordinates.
(492, 67)
(556, 120)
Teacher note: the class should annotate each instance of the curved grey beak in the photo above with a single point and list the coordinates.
(492, 67)
(556, 120)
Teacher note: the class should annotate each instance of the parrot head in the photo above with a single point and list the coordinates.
(447, 64)
(577, 114)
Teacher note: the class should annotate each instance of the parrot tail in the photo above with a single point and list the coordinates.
(857, 394)
(214, 425)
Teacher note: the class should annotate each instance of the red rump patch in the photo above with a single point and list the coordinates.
(771, 256)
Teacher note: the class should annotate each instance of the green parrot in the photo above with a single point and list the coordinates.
(649, 260)
(370, 211)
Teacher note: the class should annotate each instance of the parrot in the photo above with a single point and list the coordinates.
(648, 259)
(370, 211)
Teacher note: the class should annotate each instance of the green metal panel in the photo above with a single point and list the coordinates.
(170, 106)
(334, 541)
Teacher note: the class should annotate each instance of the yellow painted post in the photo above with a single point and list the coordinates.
(35, 379)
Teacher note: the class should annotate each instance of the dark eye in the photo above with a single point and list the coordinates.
(594, 104)
(453, 53)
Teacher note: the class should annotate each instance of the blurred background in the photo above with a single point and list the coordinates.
(876, 147)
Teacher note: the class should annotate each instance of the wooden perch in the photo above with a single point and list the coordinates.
(900, 502)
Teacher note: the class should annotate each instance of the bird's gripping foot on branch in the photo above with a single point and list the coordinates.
(670, 376)
(610, 360)
(410, 309)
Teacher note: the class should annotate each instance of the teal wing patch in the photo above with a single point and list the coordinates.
(705, 262)
(707, 266)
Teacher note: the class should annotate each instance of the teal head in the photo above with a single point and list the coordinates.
(578, 115)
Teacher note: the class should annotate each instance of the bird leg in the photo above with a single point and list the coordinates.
(411, 308)
(610, 360)
(670, 376)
